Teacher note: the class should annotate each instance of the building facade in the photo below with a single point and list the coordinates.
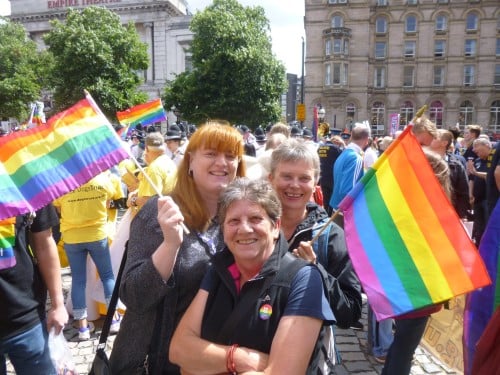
(377, 59)
(163, 25)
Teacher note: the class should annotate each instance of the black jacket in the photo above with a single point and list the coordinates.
(342, 282)
(459, 184)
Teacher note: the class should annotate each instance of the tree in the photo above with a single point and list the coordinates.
(93, 51)
(235, 75)
(20, 71)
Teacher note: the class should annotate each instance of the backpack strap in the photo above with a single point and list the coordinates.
(320, 246)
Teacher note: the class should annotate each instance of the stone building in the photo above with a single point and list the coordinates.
(376, 59)
(162, 24)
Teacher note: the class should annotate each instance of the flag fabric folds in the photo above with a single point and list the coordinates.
(47, 161)
(481, 304)
(144, 114)
(406, 243)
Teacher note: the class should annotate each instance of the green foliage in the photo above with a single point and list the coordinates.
(235, 75)
(93, 51)
(20, 69)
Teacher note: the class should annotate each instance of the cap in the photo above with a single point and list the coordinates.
(244, 128)
(295, 131)
(307, 133)
(260, 136)
(173, 133)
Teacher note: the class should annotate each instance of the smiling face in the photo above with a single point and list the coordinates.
(294, 183)
(213, 170)
(249, 233)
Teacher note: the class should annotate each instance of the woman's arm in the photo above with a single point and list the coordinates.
(201, 357)
(292, 346)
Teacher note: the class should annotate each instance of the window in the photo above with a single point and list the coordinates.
(412, 2)
(408, 76)
(470, 47)
(377, 118)
(380, 48)
(381, 2)
(381, 25)
(497, 48)
(495, 117)
(442, 1)
(436, 113)
(466, 112)
(406, 113)
(328, 75)
(410, 48)
(379, 78)
(468, 75)
(337, 46)
(337, 1)
(496, 80)
(340, 73)
(411, 24)
(350, 110)
(471, 22)
(439, 48)
(328, 47)
(438, 76)
(337, 21)
(441, 23)
(346, 46)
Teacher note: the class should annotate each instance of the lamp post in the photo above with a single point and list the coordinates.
(302, 80)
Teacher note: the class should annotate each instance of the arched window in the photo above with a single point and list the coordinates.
(471, 21)
(350, 112)
(406, 113)
(411, 24)
(381, 25)
(378, 118)
(441, 23)
(436, 113)
(337, 21)
(466, 113)
(495, 117)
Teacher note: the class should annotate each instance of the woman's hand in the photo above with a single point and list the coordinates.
(305, 251)
(170, 219)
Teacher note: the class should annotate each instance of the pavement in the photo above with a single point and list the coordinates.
(351, 343)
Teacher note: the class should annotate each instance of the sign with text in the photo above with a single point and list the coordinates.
(301, 112)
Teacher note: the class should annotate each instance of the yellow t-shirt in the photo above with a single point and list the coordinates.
(162, 173)
(84, 213)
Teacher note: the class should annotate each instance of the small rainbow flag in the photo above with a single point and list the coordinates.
(45, 162)
(144, 114)
(406, 243)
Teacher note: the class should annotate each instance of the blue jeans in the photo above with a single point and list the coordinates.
(379, 334)
(28, 352)
(407, 336)
(77, 258)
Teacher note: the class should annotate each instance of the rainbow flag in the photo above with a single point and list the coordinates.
(406, 243)
(45, 162)
(144, 114)
(481, 304)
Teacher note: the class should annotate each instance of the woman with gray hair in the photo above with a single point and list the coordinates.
(294, 173)
(259, 309)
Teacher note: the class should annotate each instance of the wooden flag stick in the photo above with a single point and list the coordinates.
(334, 215)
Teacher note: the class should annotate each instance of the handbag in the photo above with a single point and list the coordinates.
(100, 364)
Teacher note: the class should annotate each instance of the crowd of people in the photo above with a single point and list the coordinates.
(230, 250)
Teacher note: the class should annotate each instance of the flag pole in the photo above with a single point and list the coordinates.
(334, 215)
(144, 174)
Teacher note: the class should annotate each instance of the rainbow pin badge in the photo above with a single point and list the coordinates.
(265, 311)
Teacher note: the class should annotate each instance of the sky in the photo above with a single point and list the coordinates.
(287, 26)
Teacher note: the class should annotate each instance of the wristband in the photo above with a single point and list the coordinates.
(230, 366)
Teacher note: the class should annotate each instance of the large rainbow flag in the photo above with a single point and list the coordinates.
(144, 114)
(45, 162)
(481, 304)
(406, 243)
